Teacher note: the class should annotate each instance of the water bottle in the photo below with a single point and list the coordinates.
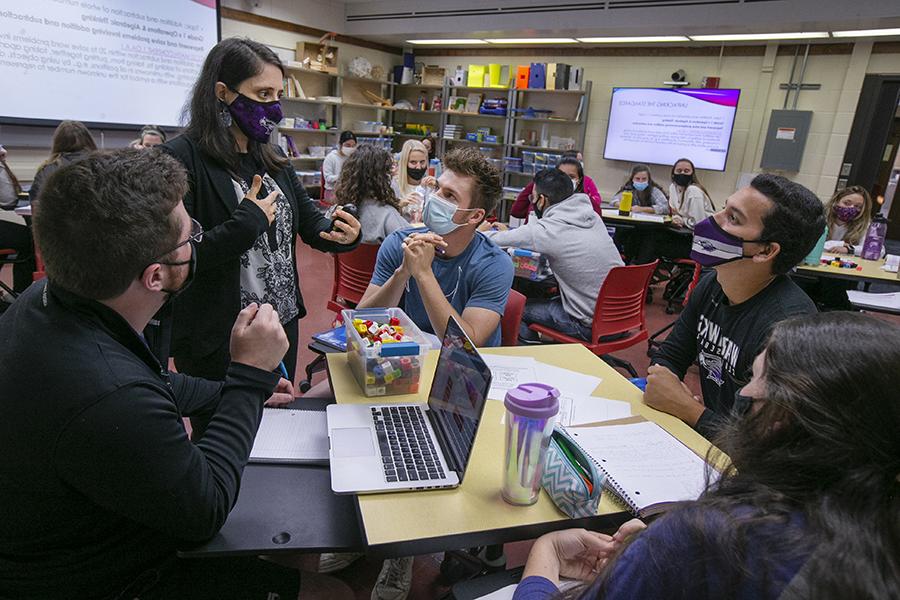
(625, 203)
(531, 410)
(874, 244)
(815, 255)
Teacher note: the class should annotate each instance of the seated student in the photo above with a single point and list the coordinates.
(449, 268)
(151, 135)
(579, 249)
(72, 141)
(412, 172)
(764, 231)
(366, 181)
(848, 214)
(647, 196)
(808, 507)
(13, 233)
(331, 166)
(100, 481)
(689, 204)
(689, 200)
(430, 146)
(571, 165)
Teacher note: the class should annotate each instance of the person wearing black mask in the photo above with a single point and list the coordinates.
(101, 484)
(247, 197)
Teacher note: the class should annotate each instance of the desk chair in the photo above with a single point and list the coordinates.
(512, 319)
(352, 274)
(8, 256)
(652, 344)
(619, 317)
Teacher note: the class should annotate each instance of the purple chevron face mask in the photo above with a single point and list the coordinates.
(713, 246)
(256, 119)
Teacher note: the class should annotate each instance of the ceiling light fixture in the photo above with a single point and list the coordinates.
(531, 40)
(459, 42)
(866, 32)
(634, 39)
(754, 37)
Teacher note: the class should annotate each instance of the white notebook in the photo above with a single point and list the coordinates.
(644, 466)
(291, 436)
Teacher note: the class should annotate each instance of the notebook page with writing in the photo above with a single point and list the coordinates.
(644, 465)
(294, 436)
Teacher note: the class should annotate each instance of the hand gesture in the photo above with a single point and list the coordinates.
(347, 228)
(267, 204)
(666, 393)
(429, 181)
(677, 221)
(283, 394)
(840, 250)
(257, 338)
(581, 553)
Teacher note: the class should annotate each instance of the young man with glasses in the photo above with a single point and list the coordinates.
(100, 481)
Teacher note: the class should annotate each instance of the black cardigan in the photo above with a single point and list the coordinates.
(205, 312)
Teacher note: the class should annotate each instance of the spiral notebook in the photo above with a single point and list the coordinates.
(291, 436)
(645, 467)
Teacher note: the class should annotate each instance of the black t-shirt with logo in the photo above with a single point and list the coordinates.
(724, 339)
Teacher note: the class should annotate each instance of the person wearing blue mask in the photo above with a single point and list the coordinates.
(764, 231)
(449, 268)
(648, 196)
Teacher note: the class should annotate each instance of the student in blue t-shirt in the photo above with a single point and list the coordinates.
(808, 505)
(449, 268)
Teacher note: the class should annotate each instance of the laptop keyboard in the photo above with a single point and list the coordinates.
(407, 451)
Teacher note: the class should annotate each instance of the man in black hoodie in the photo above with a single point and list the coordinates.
(100, 482)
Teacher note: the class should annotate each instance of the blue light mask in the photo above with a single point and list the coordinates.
(438, 214)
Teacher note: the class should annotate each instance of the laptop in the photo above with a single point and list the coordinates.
(402, 447)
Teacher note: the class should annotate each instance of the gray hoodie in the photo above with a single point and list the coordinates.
(580, 251)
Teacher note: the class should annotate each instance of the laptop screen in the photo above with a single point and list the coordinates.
(457, 397)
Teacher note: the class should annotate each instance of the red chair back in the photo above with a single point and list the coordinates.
(352, 274)
(511, 319)
(621, 302)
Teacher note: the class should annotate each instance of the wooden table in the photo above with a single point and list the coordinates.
(403, 524)
(611, 215)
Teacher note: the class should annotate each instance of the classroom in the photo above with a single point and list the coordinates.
(459, 300)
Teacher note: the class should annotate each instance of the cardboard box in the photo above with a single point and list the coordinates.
(318, 57)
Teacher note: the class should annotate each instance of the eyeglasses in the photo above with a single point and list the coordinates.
(196, 236)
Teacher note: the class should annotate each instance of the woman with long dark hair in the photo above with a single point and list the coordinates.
(809, 505)
(252, 206)
(366, 182)
(72, 141)
(690, 201)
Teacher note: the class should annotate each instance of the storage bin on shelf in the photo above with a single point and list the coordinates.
(383, 367)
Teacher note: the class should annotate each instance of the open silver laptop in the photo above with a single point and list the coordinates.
(398, 447)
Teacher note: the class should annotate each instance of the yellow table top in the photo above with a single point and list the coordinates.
(612, 214)
(871, 270)
(476, 505)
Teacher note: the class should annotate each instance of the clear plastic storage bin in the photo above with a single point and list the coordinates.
(384, 368)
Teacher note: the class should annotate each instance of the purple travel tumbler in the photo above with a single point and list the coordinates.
(531, 410)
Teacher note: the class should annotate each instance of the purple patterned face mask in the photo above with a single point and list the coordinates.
(713, 246)
(256, 119)
(846, 213)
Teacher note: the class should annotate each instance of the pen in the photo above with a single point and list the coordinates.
(283, 370)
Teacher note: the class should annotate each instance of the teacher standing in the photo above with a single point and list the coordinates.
(247, 197)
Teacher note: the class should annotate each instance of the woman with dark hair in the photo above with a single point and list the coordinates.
(809, 505)
(572, 166)
(72, 141)
(366, 182)
(334, 162)
(647, 195)
(248, 250)
(688, 198)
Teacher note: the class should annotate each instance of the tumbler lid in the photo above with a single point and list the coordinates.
(533, 400)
